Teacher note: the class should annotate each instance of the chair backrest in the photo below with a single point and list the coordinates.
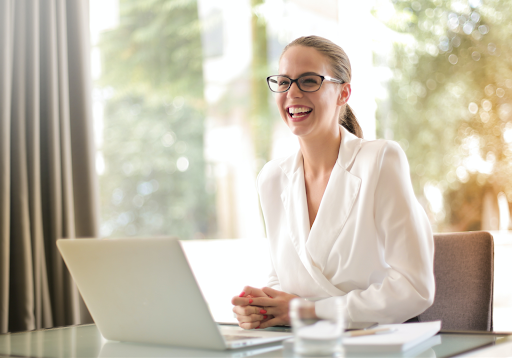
(464, 274)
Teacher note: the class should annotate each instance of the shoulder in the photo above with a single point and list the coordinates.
(379, 159)
(379, 145)
(381, 151)
(273, 174)
(270, 172)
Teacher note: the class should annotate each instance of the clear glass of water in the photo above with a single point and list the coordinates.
(315, 336)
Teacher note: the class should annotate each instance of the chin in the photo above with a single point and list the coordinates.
(299, 130)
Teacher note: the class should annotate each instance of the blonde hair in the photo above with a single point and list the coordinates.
(340, 65)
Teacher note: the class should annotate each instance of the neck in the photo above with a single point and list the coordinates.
(321, 152)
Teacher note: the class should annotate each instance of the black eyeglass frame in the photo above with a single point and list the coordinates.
(328, 78)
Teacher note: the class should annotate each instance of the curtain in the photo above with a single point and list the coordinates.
(48, 187)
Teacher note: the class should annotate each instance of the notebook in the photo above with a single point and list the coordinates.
(403, 337)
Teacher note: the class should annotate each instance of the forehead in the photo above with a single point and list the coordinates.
(301, 59)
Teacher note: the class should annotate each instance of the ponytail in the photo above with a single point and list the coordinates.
(349, 121)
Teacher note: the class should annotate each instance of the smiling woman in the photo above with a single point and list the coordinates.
(327, 58)
(340, 214)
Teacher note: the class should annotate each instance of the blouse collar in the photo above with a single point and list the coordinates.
(349, 147)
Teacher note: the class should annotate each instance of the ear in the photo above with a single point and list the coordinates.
(344, 94)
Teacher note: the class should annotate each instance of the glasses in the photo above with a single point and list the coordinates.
(305, 83)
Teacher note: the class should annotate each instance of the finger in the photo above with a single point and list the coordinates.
(266, 318)
(270, 292)
(251, 318)
(254, 292)
(242, 301)
(249, 325)
(274, 311)
(248, 310)
(264, 302)
(270, 323)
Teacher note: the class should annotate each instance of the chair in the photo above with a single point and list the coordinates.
(464, 275)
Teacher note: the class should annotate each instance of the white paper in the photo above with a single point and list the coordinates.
(404, 337)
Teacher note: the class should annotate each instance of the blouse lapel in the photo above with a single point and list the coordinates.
(313, 246)
(295, 204)
(296, 213)
(337, 202)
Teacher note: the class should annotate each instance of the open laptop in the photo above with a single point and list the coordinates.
(143, 290)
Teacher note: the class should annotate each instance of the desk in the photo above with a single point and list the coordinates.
(86, 341)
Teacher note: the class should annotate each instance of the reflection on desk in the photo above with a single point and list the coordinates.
(422, 350)
(86, 341)
(134, 350)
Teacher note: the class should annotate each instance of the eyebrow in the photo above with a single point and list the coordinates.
(303, 74)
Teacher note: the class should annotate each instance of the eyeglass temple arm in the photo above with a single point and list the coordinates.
(328, 78)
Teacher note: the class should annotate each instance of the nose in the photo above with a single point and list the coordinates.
(294, 91)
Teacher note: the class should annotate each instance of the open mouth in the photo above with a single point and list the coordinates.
(298, 112)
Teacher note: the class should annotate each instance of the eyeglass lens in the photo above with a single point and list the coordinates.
(308, 83)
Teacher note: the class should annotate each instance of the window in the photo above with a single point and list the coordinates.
(184, 120)
(181, 131)
(212, 33)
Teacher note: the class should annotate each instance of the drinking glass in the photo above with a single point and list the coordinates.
(315, 336)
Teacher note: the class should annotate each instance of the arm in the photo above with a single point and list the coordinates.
(404, 231)
(273, 280)
(249, 314)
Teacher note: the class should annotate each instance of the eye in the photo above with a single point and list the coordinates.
(310, 80)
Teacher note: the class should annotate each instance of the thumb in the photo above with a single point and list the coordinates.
(252, 292)
(271, 292)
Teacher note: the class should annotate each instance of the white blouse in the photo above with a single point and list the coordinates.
(371, 242)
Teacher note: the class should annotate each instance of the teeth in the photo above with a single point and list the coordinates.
(293, 110)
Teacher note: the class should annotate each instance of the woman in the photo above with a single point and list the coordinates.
(340, 214)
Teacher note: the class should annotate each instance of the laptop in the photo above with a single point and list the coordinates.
(143, 290)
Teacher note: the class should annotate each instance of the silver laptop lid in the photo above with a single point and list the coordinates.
(141, 290)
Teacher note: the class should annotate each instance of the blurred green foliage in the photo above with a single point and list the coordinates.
(261, 118)
(154, 181)
(156, 48)
(449, 100)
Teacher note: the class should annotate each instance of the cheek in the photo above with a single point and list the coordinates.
(328, 105)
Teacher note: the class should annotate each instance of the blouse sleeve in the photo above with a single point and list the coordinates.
(273, 280)
(403, 228)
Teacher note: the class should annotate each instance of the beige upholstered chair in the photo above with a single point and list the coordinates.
(464, 272)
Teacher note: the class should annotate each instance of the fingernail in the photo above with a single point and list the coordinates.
(265, 316)
(263, 311)
(250, 301)
(242, 294)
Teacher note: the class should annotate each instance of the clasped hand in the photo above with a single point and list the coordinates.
(262, 308)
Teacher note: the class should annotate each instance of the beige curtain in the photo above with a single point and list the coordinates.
(48, 188)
